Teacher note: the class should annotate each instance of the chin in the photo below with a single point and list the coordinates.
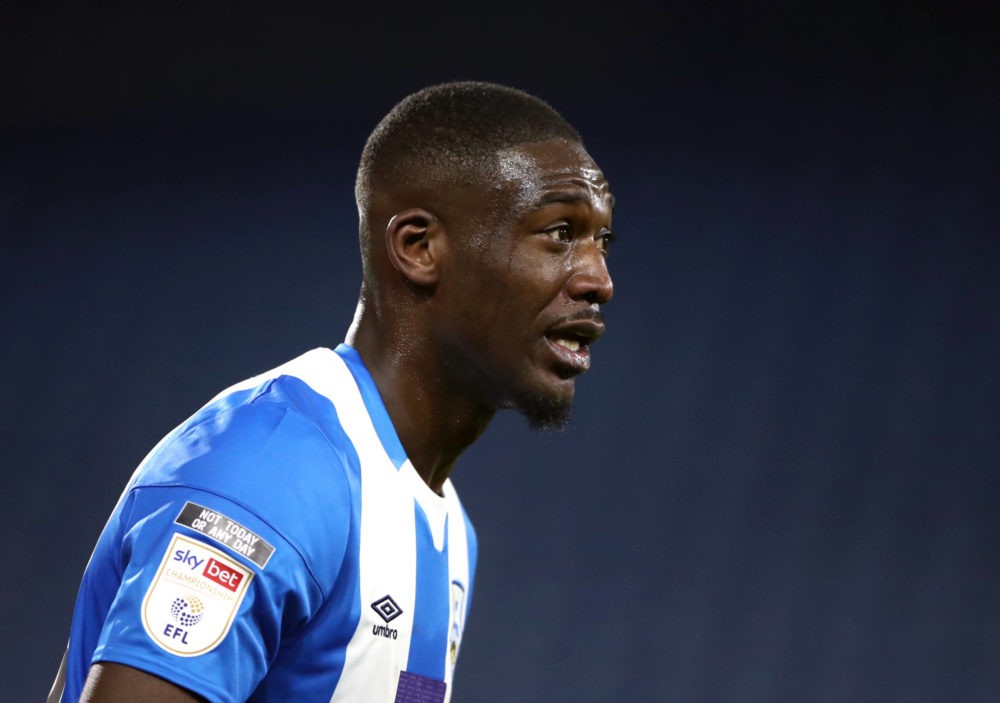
(545, 400)
(547, 413)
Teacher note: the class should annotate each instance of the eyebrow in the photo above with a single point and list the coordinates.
(571, 197)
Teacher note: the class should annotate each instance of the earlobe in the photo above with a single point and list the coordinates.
(413, 239)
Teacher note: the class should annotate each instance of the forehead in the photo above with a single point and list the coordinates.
(535, 171)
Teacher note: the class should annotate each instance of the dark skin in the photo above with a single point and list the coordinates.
(109, 682)
(491, 305)
(486, 301)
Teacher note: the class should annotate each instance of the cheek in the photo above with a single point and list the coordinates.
(537, 286)
(517, 298)
(504, 295)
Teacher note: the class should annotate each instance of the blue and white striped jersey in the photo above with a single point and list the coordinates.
(279, 546)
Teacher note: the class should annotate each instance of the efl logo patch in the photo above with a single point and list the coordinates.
(193, 598)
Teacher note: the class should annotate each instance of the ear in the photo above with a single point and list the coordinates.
(414, 239)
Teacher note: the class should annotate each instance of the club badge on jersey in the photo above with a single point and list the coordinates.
(457, 621)
(193, 598)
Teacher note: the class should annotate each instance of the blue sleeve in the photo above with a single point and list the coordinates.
(229, 541)
(176, 582)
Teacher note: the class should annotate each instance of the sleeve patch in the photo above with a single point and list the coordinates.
(226, 532)
(193, 598)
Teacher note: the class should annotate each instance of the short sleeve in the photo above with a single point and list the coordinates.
(197, 609)
(228, 542)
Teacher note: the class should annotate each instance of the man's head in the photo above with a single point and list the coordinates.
(484, 227)
(443, 139)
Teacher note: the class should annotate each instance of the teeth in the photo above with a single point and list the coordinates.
(571, 344)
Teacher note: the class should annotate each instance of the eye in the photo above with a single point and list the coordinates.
(604, 240)
(559, 232)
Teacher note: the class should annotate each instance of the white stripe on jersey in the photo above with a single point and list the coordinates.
(388, 536)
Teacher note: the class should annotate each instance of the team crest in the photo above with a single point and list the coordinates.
(193, 598)
(457, 621)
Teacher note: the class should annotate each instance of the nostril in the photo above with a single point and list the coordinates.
(593, 285)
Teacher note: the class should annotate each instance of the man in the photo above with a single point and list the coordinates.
(298, 538)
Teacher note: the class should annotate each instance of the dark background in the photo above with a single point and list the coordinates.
(781, 480)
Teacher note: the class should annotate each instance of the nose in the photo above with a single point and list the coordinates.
(591, 280)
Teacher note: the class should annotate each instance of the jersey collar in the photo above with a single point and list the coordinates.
(373, 404)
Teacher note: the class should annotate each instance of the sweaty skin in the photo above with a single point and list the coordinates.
(543, 276)
(496, 304)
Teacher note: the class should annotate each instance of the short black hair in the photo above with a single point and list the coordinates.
(451, 128)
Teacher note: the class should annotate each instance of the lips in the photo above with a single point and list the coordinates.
(570, 340)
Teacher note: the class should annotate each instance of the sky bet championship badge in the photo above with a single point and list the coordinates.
(191, 603)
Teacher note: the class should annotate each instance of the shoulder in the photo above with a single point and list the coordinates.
(278, 451)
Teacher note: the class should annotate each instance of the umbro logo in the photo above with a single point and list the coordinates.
(388, 610)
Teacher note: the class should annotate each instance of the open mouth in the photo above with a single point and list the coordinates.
(570, 345)
(577, 332)
(570, 340)
(572, 354)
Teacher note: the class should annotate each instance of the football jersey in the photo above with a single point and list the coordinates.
(279, 546)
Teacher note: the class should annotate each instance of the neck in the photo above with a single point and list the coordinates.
(434, 421)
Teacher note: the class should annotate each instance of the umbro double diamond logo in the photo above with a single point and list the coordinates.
(388, 610)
